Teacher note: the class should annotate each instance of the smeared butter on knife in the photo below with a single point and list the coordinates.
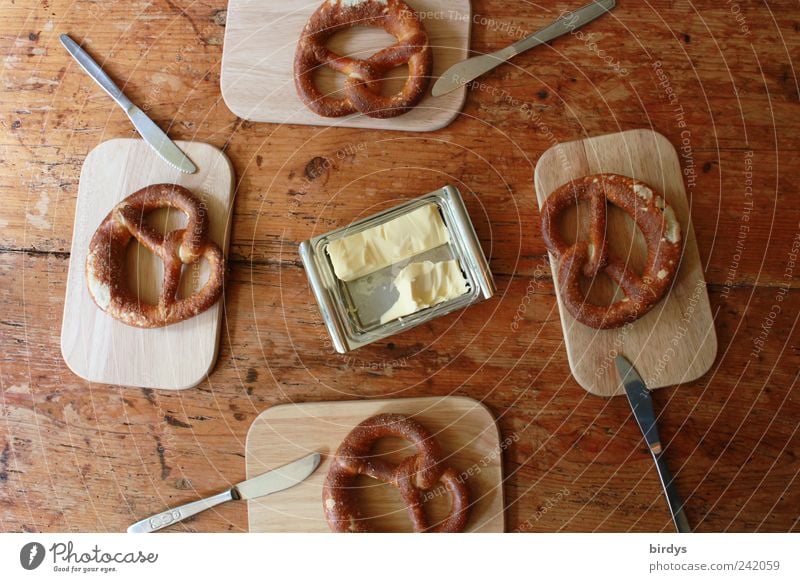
(365, 252)
(425, 284)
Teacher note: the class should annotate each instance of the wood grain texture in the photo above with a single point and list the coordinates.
(463, 427)
(675, 342)
(97, 347)
(257, 63)
(77, 456)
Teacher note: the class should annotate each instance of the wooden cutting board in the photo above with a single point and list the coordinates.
(257, 78)
(463, 427)
(676, 341)
(97, 347)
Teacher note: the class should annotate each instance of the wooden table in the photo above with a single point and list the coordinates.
(717, 78)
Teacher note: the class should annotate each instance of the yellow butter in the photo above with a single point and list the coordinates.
(425, 284)
(365, 252)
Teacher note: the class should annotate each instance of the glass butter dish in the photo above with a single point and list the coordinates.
(397, 269)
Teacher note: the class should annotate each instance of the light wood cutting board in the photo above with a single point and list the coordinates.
(463, 427)
(676, 341)
(257, 78)
(97, 347)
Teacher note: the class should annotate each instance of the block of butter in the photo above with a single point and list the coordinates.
(373, 249)
(425, 284)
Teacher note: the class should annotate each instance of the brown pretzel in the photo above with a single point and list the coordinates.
(362, 84)
(413, 476)
(105, 263)
(658, 224)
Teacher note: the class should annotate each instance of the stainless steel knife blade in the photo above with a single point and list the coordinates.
(152, 134)
(159, 141)
(265, 484)
(462, 73)
(278, 479)
(642, 405)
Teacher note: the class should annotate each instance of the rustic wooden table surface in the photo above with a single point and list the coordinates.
(76, 456)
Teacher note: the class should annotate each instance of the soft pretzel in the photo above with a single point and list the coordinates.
(362, 85)
(654, 217)
(413, 476)
(105, 263)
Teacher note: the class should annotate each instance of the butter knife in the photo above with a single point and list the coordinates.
(462, 73)
(264, 484)
(642, 406)
(152, 134)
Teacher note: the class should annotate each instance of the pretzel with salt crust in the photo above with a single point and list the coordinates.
(654, 217)
(413, 476)
(105, 263)
(363, 77)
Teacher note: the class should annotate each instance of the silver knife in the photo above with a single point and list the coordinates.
(642, 406)
(462, 73)
(151, 133)
(264, 484)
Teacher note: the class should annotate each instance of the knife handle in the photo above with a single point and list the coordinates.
(533, 40)
(89, 65)
(560, 26)
(673, 499)
(171, 516)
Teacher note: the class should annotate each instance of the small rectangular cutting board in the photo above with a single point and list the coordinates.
(257, 78)
(675, 342)
(463, 427)
(99, 348)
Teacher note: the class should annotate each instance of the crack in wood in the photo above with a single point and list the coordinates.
(4, 462)
(171, 420)
(160, 450)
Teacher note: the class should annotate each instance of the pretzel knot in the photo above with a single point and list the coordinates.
(413, 476)
(105, 263)
(654, 217)
(362, 87)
